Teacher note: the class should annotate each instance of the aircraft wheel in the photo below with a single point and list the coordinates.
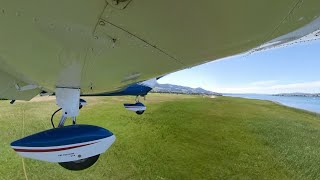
(80, 164)
(139, 112)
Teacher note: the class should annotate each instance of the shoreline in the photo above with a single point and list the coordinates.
(279, 103)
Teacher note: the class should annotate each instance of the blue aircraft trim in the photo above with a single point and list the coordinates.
(64, 136)
(134, 90)
(131, 90)
(138, 104)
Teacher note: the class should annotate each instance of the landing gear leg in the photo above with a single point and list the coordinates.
(140, 112)
(69, 101)
(137, 99)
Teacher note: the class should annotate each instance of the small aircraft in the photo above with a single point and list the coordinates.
(74, 48)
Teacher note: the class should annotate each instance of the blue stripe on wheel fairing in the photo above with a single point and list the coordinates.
(64, 136)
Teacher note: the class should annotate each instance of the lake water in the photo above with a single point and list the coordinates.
(306, 103)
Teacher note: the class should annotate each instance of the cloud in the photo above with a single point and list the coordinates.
(271, 87)
(264, 83)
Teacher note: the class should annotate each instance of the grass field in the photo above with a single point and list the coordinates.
(178, 137)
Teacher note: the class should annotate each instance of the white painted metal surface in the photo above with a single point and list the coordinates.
(150, 83)
(68, 100)
(136, 108)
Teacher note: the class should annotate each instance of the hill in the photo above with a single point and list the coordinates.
(176, 89)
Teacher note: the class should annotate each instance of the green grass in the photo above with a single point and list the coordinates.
(178, 137)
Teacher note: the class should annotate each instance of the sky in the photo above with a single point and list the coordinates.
(289, 69)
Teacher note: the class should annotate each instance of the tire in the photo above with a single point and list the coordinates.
(80, 164)
(139, 112)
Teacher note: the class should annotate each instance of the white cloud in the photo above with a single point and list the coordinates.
(264, 83)
(271, 87)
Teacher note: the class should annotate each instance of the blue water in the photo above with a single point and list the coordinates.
(306, 103)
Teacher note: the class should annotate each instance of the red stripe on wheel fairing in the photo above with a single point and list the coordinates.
(52, 150)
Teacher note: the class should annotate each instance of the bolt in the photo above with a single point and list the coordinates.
(102, 23)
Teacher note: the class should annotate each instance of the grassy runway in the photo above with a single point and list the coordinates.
(178, 137)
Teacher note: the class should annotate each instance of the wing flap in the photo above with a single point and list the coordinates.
(9, 90)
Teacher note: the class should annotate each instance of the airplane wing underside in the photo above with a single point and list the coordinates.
(101, 45)
(12, 88)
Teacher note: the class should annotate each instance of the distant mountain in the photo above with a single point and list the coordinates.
(299, 94)
(176, 89)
